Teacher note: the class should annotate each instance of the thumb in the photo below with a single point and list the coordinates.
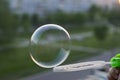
(113, 74)
(119, 77)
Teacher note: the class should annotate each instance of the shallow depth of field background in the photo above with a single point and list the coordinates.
(94, 26)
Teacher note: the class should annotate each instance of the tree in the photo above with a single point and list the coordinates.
(26, 22)
(7, 23)
(35, 20)
(101, 32)
(94, 11)
(5, 15)
(114, 17)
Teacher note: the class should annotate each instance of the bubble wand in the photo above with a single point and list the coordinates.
(115, 62)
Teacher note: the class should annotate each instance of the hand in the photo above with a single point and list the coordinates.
(114, 74)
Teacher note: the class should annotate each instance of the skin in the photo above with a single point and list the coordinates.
(114, 74)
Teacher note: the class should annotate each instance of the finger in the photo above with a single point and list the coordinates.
(113, 74)
(119, 77)
(110, 77)
(118, 69)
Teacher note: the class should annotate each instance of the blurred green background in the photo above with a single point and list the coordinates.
(99, 28)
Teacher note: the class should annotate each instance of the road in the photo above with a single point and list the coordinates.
(72, 75)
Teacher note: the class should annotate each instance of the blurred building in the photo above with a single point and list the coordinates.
(44, 6)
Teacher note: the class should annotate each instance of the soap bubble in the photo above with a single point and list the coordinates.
(49, 45)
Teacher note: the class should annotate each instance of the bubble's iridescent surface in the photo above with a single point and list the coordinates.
(49, 45)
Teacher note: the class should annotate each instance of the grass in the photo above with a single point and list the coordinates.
(79, 55)
(16, 63)
(112, 41)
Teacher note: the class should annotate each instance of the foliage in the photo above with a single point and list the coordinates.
(65, 18)
(35, 20)
(114, 17)
(5, 16)
(93, 12)
(25, 22)
(101, 32)
(8, 23)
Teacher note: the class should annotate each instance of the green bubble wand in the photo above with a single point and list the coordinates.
(114, 62)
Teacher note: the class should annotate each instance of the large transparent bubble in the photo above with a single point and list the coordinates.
(49, 45)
